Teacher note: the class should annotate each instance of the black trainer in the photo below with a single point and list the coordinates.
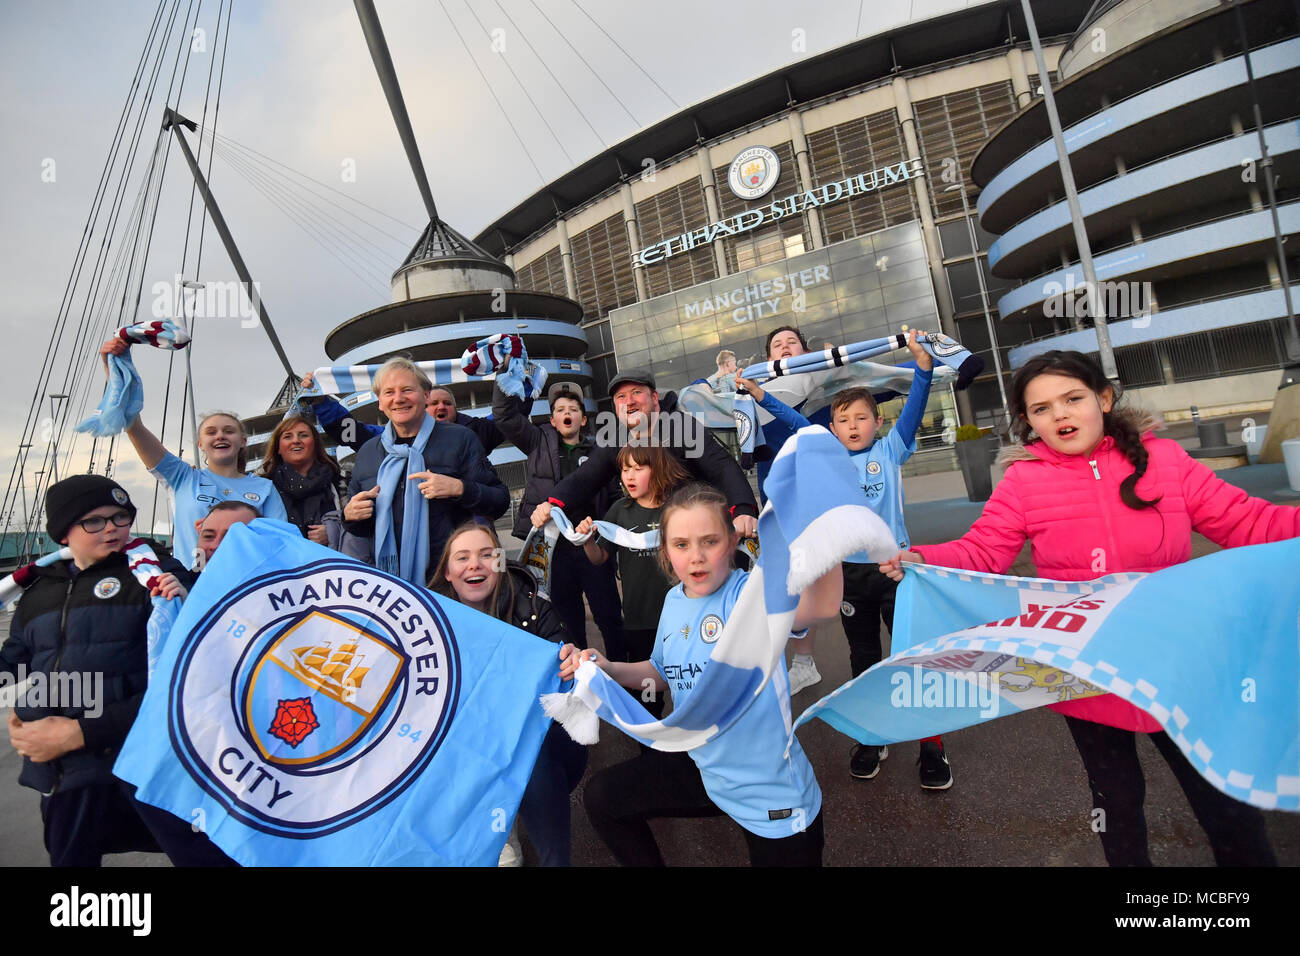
(865, 762)
(933, 764)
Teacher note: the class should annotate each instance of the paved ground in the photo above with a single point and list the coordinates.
(1019, 799)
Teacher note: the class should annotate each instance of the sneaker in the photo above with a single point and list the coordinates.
(803, 674)
(933, 762)
(865, 762)
(511, 854)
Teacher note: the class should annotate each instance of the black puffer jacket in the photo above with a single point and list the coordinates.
(702, 455)
(528, 610)
(91, 624)
(542, 443)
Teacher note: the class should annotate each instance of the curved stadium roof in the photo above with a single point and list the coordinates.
(915, 45)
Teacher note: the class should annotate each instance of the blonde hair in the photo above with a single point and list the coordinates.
(399, 364)
(723, 356)
(242, 460)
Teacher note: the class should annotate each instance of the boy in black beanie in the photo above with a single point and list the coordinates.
(79, 632)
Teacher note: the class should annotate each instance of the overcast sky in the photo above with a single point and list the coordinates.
(300, 88)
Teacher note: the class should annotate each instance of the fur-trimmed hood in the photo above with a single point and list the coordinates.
(1143, 419)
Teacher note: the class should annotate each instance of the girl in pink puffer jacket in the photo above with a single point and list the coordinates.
(1095, 493)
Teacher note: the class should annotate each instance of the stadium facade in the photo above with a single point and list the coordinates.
(870, 146)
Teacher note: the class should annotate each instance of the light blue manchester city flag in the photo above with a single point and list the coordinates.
(1209, 648)
(310, 710)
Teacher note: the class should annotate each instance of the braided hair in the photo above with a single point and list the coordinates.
(1121, 424)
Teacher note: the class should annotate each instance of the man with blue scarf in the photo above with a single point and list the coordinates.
(418, 480)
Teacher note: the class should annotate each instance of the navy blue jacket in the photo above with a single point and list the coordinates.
(93, 623)
(332, 417)
(451, 451)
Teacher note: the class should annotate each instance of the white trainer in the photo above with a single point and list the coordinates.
(803, 673)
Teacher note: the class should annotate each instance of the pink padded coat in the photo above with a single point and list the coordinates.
(1069, 508)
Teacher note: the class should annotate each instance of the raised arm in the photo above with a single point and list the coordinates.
(909, 420)
(511, 417)
(147, 446)
(333, 418)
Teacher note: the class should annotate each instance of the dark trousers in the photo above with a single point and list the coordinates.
(544, 810)
(620, 801)
(177, 837)
(870, 595)
(1236, 830)
(82, 825)
(572, 576)
(639, 643)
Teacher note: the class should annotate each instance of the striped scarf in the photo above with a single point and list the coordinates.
(144, 565)
(504, 354)
(124, 394)
(539, 546)
(814, 518)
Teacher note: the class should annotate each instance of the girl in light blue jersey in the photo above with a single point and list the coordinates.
(195, 490)
(745, 771)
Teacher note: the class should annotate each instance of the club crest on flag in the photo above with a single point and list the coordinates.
(348, 661)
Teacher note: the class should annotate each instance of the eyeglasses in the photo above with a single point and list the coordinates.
(91, 525)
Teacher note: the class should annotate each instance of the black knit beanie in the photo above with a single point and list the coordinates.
(67, 501)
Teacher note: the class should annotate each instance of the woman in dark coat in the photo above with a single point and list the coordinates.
(473, 571)
(304, 475)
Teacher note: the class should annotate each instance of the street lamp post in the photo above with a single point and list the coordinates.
(189, 366)
(984, 294)
(1090, 289)
(54, 433)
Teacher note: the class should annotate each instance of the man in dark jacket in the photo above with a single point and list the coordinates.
(335, 421)
(456, 477)
(80, 632)
(555, 450)
(643, 417)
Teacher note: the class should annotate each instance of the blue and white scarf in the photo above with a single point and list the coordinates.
(412, 564)
(942, 348)
(124, 394)
(814, 518)
(539, 546)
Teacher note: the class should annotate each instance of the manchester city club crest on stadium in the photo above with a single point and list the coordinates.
(336, 668)
(754, 172)
(710, 628)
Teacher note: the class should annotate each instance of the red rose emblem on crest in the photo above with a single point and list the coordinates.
(294, 720)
